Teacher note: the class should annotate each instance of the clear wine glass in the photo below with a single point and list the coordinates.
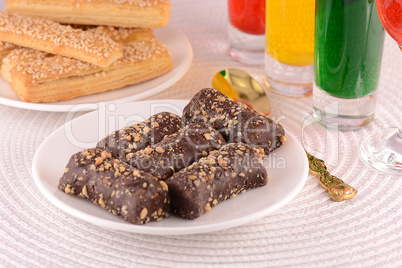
(385, 153)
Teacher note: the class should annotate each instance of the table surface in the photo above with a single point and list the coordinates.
(311, 230)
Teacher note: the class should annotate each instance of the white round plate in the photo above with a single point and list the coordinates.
(287, 171)
(181, 54)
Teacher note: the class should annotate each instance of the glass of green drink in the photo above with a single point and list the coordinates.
(349, 41)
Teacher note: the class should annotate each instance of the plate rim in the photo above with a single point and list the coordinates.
(157, 230)
(54, 107)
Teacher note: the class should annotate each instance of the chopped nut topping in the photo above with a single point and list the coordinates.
(210, 161)
(146, 130)
(143, 213)
(124, 210)
(208, 136)
(102, 202)
(85, 191)
(159, 150)
(164, 185)
(104, 154)
(207, 207)
(67, 190)
(148, 150)
(137, 137)
(222, 162)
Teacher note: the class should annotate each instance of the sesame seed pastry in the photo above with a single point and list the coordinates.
(52, 37)
(177, 151)
(235, 121)
(133, 195)
(5, 49)
(121, 13)
(18, 55)
(136, 137)
(11, 54)
(223, 174)
(58, 78)
(118, 34)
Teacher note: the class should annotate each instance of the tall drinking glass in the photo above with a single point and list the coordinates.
(289, 57)
(385, 153)
(349, 41)
(247, 30)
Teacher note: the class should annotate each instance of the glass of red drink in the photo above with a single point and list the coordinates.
(247, 30)
(385, 153)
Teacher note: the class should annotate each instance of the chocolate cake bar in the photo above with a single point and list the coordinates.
(225, 173)
(136, 137)
(131, 194)
(177, 151)
(235, 121)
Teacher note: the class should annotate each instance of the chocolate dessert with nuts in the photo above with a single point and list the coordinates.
(136, 137)
(131, 194)
(235, 121)
(177, 151)
(223, 174)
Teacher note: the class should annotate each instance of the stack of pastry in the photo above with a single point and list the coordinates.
(46, 60)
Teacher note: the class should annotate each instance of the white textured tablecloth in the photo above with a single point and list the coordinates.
(310, 231)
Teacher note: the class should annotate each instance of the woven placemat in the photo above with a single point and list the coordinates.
(310, 231)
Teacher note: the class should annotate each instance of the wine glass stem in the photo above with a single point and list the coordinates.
(384, 154)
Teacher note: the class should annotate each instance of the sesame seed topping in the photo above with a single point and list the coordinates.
(53, 37)
(43, 66)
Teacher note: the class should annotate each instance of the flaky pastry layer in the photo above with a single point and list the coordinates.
(58, 78)
(11, 54)
(5, 49)
(59, 39)
(122, 13)
(119, 34)
(20, 55)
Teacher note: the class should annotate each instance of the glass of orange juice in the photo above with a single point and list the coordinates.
(289, 47)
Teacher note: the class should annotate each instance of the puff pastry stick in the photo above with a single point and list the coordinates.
(6, 48)
(19, 55)
(122, 13)
(118, 34)
(59, 78)
(133, 195)
(11, 54)
(59, 39)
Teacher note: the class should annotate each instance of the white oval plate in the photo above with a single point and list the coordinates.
(287, 171)
(181, 54)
